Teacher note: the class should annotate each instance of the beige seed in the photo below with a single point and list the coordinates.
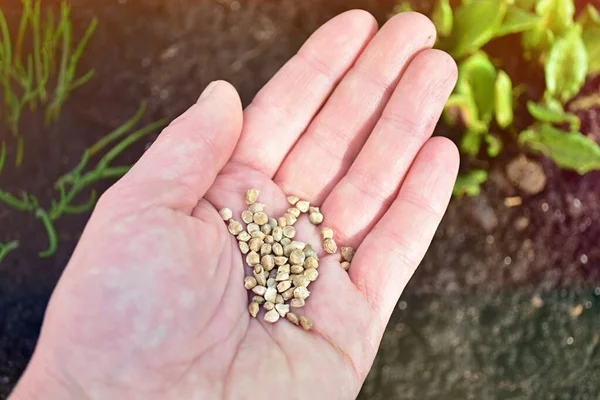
(315, 218)
(306, 323)
(271, 282)
(285, 241)
(270, 294)
(226, 214)
(255, 244)
(272, 222)
(277, 249)
(253, 309)
(310, 252)
(247, 216)
(292, 199)
(296, 269)
(251, 196)
(258, 235)
(268, 305)
(301, 293)
(265, 249)
(243, 236)
(297, 257)
(294, 211)
(329, 246)
(258, 269)
(303, 205)
(301, 280)
(281, 222)
(280, 260)
(282, 276)
(312, 274)
(252, 258)
(252, 228)
(283, 286)
(289, 232)
(258, 300)
(311, 262)
(347, 253)
(297, 245)
(297, 303)
(259, 290)
(277, 233)
(326, 233)
(312, 209)
(234, 227)
(272, 316)
(292, 318)
(268, 262)
(261, 218)
(249, 282)
(345, 265)
(256, 207)
(244, 248)
(282, 309)
(287, 294)
(269, 239)
(285, 268)
(290, 219)
(279, 299)
(266, 229)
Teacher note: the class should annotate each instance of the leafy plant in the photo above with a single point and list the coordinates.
(564, 48)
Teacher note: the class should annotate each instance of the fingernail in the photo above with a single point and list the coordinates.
(209, 89)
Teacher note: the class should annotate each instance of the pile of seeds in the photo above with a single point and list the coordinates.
(282, 268)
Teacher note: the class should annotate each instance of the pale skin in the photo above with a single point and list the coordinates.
(152, 304)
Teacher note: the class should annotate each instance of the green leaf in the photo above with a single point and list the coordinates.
(538, 39)
(461, 107)
(555, 115)
(503, 100)
(477, 76)
(517, 20)
(475, 24)
(442, 17)
(569, 150)
(566, 66)
(470, 143)
(494, 144)
(470, 183)
(403, 6)
(589, 15)
(590, 22)
(557, 14)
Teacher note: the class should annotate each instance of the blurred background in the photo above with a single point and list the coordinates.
(506, 303)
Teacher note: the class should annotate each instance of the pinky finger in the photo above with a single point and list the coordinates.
(391, 252)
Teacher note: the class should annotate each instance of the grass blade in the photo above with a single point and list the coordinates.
(120, 131)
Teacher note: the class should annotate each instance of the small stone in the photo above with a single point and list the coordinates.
(252, 258)
(297, 257)
(265, 249)
(303, 205)
(290, 219)
(294, 211)
(247, 216)
(272, 316)
(253, 309)
(256, 207)
(277, 233)
(315, 218)
(255, 244)
(244, 248)
(268, 305)
(258, 300)
(312, 274)
(226, 214)
(261, 218)
(301, 293)
(306, 323)
(347, 253)
(283, 286)
(289, 232)
(266, 229)
(252, 228)
(279, 299)
(292, 318)
(280, 260)
(249, 282)
(259, 290)
(251, 196)
(329, 246)
(326, 233)
(282, 309)
(296, 269)
(297, 303)
(292, 200)
(301, 280)
(268, 262)
(243, 236)
(270, 294)
(311, 262)
(345, 265)
(234, 227)
(271, 282)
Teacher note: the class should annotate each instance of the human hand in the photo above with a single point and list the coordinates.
(152, 303)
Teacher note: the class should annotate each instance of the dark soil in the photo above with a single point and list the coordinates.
(491, 313)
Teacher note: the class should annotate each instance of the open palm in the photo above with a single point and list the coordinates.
(152, 303)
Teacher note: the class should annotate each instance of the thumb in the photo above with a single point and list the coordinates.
(184, 161)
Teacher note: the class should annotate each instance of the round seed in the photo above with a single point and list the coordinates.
(283, 286)
(312, 209)
(272, 316)
(315, 218)
(258, 300)
(301, 293)
(302, 205)
(272, 222)
(258, 235)
(271, 282)
(277, 248)
(226, 214)
(253, 309)
(256, 207)
(268, 305)
(345, 265)
(252, 258)
(266, 229)
(244, 248)
(306, 323)
(311, 262)
(258, 269)
(292, 318)
(234, 227)
(326, 233)
(249, 282)
(297, 257)
(251, 196)
(270, 294)
(289, 232)
(312, 274)
(292, 199)
(247, 216)
(243, 236)
(268, 262)
(265, 249)
(285, 241)
(347, 253)
(297, 303)
(277, 233)
(301, 280)
(290, 219)
(259, 290)
(310, 252)
(294, 211)
(282, 276)
(252, 228)
(269, 239)
(287, 294)
(282, 221)
(280, 260)
(261, 218)
(282, 309)
(296, 269)
(279, 299)
(297, 245)
(329, 246)
(284, 268)
(255, 244)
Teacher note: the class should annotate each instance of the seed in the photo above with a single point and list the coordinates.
(285, 241)
(296, 269)
(266, 229)
(311, 262)
(301, 280)
(315, 218)
(261, 218)
(252, 258)
(281, 222)
(258, 235)
(243, 236)
(292, 199)
(260, 278)
(226, 214)
(312, 209)
(269, 239)
(277, 249)
(277, 233)
(289, 232)
(297, 257)
(297, 245)
(249, 282)
(283, 286)
(271, 282)
(347, 253)
(256, 207)
(301, 293)
(294, 211)
(234, 227)
(251, 196)
(306, 323)
(259, 290)
(282, 276)
(329, 246)
(265, 249)
(258, 300)
(345, 265)
(247, 216)
(272, 222)
(272, 316)
(310, 252)
(297, 303)
(270, 294)
(292, 318)
(268, 305)
(288, 294)
(253, 309)
(279, 299)
(303, 205)
(268, 262)
(280, 260)
(326, 233)
(258, 269)
(282, 309)
(290, 219)
(244, 248)
(284, 268)
(252, 228)
(312, 274)
(255, 244)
